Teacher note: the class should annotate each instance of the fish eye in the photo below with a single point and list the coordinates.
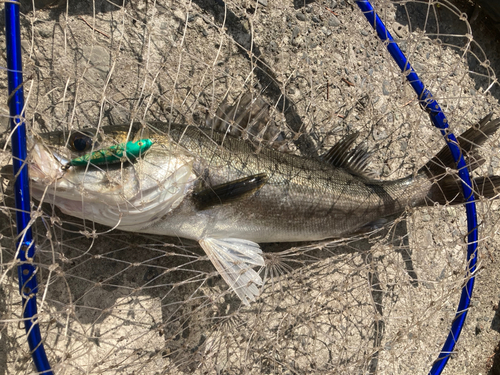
(80, 142)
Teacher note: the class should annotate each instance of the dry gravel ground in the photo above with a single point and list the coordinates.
(382, 303)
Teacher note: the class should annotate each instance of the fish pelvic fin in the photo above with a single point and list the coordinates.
(234, 259)
(447, 186)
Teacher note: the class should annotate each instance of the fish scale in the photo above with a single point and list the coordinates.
(318, 200)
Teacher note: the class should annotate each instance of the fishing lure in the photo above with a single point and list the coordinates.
(113, 154)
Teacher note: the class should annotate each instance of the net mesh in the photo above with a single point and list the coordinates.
(113, 302)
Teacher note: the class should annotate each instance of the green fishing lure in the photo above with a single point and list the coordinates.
(113, 154)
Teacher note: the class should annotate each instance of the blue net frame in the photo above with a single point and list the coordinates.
(25, 250)
(26, 247)
(439, 120)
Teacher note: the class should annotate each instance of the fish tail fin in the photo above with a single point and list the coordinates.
(447, 185)
(449, 191)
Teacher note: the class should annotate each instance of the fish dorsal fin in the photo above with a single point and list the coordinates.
(355, 161)
(249, 118)
(229, 192)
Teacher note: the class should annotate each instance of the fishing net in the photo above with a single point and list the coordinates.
(296, 76)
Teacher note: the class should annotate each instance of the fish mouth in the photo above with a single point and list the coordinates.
(45, 166)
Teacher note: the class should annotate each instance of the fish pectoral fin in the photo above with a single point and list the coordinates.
(229, 191)
(235, 258)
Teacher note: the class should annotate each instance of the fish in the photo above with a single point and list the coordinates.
(230, 194)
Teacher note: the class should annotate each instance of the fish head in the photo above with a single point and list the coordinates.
(125, 193)
(50, 154)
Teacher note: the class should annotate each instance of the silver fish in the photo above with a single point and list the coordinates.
(229, 195)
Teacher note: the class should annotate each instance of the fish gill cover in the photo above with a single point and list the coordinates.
(293, 76)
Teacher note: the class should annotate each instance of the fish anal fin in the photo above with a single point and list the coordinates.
(229, 192)
(356, 161)
(373, 225)
(234, 259)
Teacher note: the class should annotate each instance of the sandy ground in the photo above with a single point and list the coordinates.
(383, 303)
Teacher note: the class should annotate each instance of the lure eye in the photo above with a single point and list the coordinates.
(80, 142)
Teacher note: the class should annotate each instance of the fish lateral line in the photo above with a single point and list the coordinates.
(113, 154)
